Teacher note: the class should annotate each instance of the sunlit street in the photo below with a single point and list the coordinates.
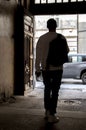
(70, 89)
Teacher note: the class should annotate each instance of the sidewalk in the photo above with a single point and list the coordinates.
(27, 113)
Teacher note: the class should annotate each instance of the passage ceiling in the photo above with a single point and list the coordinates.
(39, 7)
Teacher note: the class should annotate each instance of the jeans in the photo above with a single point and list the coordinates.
(52, 82)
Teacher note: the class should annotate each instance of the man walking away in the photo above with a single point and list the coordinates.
(52, 74)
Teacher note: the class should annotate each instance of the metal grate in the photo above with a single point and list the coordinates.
(38, 7)
(56, 1)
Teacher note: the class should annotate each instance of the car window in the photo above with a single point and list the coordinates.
(69, 59)
(74, 59)
(84, 58)
(79, 58)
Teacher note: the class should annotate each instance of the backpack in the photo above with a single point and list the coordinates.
(58, 50)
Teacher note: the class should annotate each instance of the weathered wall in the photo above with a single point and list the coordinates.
(82, 37)
(7, 9)
(8, 44)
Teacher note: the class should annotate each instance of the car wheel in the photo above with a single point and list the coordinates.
(83, 77)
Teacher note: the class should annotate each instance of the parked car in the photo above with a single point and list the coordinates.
(76, 67)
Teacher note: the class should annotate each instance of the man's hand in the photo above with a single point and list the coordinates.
(37, 74)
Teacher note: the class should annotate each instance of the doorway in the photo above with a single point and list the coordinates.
(71, 26)
(28, 53)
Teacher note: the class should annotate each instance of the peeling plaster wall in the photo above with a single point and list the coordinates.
(7, 9)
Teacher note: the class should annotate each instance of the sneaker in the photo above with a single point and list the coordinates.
(53, 119)
(47, 114)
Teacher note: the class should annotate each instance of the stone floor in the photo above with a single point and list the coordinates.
(27, 113)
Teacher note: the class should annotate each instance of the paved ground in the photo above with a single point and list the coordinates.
(27, 113)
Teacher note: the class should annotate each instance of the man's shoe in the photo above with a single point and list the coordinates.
(47, 114)
(53, 119)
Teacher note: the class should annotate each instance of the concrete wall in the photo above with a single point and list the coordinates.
(7, 9)
(7, 46)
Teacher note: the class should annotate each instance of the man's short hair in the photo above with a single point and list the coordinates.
(51, 24)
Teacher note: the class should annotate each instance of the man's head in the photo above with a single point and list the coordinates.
(51, 24)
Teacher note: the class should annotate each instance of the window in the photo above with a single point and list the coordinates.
(51, 1)
(55, 1)
(37, 1)
(79, 58)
